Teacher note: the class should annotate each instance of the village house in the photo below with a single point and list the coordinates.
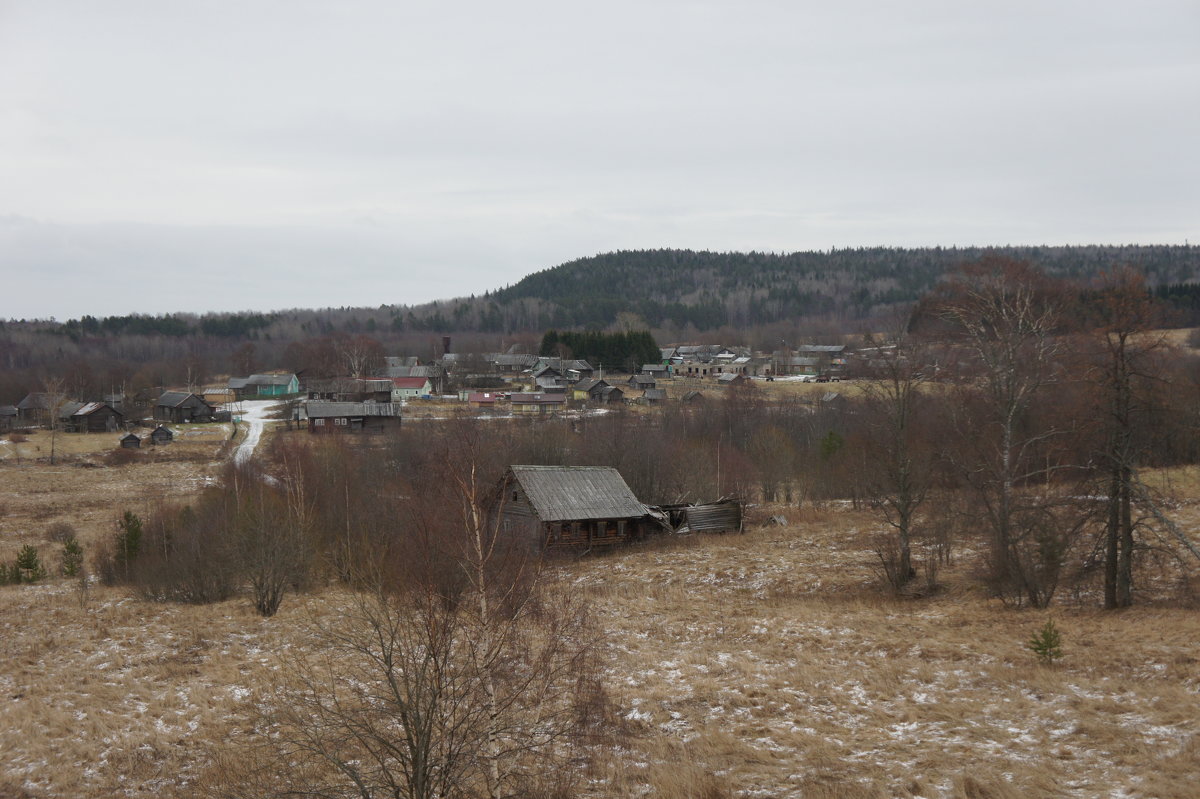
(90, 417)
(588, 389)
(811, 359)
(784, 363)
(265, 385)
(405, 388)
(349, 417)
(538, 403)
(566, 368)
(182, 407)
(656, 370)
(482, 399)
(218, 395)
(512, 364)
(8, 418)
(577, 507)
(642, 382)
(611, 395)
(433, 372)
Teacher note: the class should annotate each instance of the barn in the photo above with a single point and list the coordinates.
(571, 507)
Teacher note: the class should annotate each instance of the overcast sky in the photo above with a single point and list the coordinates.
(205, 156)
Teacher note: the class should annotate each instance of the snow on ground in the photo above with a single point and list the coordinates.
(253, 414)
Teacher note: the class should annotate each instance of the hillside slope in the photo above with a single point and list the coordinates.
(708, 289)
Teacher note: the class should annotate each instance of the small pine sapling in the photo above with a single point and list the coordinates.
(1046, 644)
(72, 557)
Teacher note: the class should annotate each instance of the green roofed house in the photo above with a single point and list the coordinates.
(265, 385)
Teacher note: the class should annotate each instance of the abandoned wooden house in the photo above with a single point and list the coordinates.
(573, 507)
(34, 408)
(182, 407)
(8, 418)
(90, 417)
(723, 516)
(350, 417)
(653, 396)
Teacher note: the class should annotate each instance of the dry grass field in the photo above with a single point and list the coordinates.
(767, 664)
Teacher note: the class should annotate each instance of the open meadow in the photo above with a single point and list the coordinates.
(769, 663)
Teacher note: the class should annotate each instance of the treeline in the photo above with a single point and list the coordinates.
(225, 325)
(755, 299)
(626, 350)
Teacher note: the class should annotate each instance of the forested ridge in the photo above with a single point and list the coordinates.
(708, 290)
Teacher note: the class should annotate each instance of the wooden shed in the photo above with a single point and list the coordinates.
(571, 507)
(161, 435)
(131, 441)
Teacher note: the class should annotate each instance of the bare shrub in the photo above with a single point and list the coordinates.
(60, 532)
(186, 556)
(121, 457)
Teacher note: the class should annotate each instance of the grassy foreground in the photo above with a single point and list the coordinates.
(762, 664)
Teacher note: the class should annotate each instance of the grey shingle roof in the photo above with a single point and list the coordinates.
(173, 399)
(322, 410)
(37, 400)
(569, 493)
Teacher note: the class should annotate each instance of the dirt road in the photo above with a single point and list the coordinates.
(253, 414)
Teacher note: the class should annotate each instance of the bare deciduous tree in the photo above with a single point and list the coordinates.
(900, 460)
(1004, 315)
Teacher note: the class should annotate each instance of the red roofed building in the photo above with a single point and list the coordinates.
(408, 387)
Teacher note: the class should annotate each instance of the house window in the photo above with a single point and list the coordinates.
(319, 422)
(339, 421)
